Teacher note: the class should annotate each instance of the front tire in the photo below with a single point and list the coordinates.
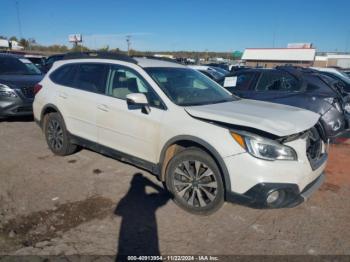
(57, 136)
(195, 181)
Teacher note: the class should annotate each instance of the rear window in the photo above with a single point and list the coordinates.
(64, 75)
(85, 76)
(17, 66)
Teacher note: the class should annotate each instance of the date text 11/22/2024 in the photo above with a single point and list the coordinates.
(173, 258)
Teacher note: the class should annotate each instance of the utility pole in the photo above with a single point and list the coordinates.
(19, 20)
(128, 42)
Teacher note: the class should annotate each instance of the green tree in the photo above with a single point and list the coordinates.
(79, 48)
(104, 49)
(13, 38)
(24, 42)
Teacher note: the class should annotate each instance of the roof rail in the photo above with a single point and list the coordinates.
(298, 68)
(297, 71)
(166, 59)
(101, 55)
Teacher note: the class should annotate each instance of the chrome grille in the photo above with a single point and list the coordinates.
(313, 145)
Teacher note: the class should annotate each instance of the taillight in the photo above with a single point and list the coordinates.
(37, 88)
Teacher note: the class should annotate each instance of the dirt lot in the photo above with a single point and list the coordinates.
(89, 204)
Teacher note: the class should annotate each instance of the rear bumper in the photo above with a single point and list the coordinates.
(256, 197)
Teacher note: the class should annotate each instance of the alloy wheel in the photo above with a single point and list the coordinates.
(195, 183)
(55, 134)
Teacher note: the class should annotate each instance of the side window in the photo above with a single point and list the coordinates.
(277, 81)
(123, 81)
(64, 75)
(243, 82)
(91, 77)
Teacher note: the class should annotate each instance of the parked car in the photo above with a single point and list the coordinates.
(239, 68)
(206, 145)
(52, 59)
(295, 87)
(220, 70)
(334, 73)
(224, 66)
(208, 71)
(18, 77)
(37, 60)
(347, 72)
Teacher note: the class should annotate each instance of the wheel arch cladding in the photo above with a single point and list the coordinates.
(178, 143)
(49, 108)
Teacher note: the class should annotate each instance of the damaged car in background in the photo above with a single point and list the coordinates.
(299, 87)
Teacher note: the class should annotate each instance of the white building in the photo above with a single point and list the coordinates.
(13, 45)
(333, 60)
(271, 57)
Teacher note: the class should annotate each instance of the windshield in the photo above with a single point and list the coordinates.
(187, 87)
(17, 66)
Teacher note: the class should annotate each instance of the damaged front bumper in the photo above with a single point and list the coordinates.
(284, 195)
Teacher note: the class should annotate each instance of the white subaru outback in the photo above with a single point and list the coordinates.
(205, 144)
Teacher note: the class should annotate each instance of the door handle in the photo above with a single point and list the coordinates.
(63, 95)
(103, 108)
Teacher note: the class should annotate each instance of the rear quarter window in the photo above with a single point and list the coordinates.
(64, 75)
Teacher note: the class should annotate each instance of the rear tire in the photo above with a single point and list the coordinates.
(57, 136)
(195, 181)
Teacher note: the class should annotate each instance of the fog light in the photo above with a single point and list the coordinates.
(272, 197)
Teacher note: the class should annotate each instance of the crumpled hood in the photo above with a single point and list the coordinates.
(279, 120)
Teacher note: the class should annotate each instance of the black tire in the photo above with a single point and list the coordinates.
(57, 136)
(198, 197)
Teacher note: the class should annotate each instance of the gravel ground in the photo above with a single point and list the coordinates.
(90, 204)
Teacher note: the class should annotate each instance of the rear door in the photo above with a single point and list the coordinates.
(77, 97)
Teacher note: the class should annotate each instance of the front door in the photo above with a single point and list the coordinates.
(126, 128)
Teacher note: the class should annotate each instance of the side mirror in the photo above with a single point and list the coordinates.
(139, 99)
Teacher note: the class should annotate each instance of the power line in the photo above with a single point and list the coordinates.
(19, 20)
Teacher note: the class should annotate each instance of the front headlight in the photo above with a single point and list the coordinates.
(264, 148)
(5, 91)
